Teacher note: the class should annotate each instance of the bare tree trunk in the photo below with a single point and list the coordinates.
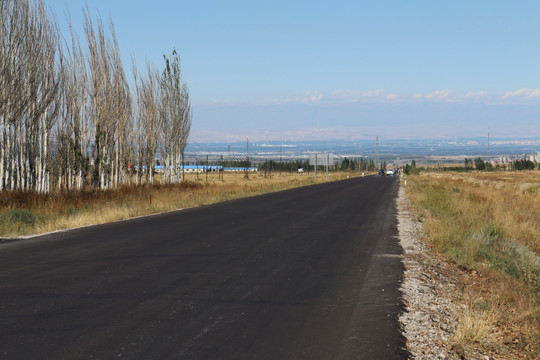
(2, 152)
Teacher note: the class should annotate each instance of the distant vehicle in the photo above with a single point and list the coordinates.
(390, 172)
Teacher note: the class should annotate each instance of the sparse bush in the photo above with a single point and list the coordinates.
(411, 170)
(17, 215)
(407, 169)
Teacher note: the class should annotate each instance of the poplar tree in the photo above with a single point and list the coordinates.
(67, 114)
(30, 65)
(175, 117)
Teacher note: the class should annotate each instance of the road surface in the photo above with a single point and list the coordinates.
(310, 273)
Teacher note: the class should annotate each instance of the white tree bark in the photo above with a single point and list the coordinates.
(175, 111)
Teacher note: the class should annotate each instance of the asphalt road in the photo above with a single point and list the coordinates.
(310, 273)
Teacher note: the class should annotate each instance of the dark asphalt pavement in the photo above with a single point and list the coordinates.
(310, 273)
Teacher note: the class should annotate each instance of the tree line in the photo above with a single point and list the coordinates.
(361, 164)
(68, 116)
(481, 165)
(475, 164)
(292, 165)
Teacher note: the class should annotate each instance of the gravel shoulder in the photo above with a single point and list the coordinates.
(429, 291)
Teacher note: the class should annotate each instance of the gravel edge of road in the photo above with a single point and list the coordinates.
(430, 319)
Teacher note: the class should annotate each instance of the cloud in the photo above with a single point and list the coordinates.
(444, 95)
(309, 97)
(372, 93)
(381, 96)
(476, 94)
(438, 94)
(510, 94)
(454, 96)
(369, 96)
(535, 93)
(219, 102)
(523, 93)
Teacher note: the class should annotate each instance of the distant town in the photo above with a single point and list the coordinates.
(425, 152)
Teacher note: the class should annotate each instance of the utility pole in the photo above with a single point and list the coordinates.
(315, 167)
(327, 164)
(489, 150)
(222, 170)
(378, 162)
(280, 158)
(247, 158)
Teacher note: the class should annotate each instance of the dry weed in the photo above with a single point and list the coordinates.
(489, 224)
(474, 328)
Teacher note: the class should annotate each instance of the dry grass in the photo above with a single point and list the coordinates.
(30, 213)
(489, 225)
(475, 326)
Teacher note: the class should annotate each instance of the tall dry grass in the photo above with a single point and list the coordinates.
(489, 225)
(26, 213)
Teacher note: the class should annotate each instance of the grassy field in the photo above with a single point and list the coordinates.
(30, 213)
(488, 224)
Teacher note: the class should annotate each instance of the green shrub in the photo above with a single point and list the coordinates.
(17, 215)
(479, 164)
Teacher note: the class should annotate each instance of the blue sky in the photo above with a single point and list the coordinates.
(285, 70)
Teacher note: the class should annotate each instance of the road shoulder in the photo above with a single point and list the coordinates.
(430, 287)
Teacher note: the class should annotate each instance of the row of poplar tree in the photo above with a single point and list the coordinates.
(68, 117)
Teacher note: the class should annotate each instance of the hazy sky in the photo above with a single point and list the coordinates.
(340, 69)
